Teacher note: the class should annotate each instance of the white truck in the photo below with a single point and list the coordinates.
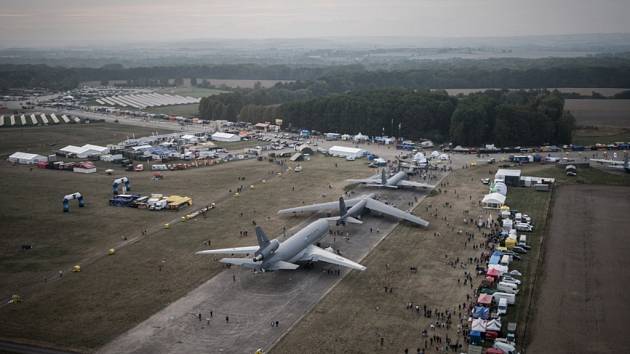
(503, 306)
(497, 296)
(157, 202)
(509, 288)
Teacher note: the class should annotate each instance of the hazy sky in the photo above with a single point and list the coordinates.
(65, 21)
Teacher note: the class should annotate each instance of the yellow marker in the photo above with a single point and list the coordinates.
(111, 251)
(166, 226)
(76, 268)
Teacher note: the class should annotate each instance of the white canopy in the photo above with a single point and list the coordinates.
(494, 198)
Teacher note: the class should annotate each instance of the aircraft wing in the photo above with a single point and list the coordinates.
(283, 265)
(363, 180)
(234, 250)
(316, 254)
(395, 212)
(242, 262)
(330, 206)
(612, 162)
(404, 183)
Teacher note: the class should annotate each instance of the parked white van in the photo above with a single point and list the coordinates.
(521, 226)
(497, 296)
(510, 288)
(502, 308)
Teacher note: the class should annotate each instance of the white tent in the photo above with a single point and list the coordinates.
(361, 137)
(344, 151)
(26, 158)
(85, 150)
(499, 187)
(219, 136)
(435, 154)
(478, 325)
(493, 201)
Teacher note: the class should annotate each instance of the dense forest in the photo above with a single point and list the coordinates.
(501, 117)
(434, 74)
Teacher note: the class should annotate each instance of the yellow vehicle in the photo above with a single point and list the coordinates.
(176, 202)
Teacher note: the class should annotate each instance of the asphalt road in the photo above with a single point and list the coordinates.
(253, 300)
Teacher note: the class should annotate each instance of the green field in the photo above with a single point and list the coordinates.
(586, 175)
(536, 205)
(185, 110)
(191, 91)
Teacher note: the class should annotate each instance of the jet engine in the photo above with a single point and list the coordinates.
(266, 251)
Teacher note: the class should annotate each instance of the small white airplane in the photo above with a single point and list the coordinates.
(397, 180)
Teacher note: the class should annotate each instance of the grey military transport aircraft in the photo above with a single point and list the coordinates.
(272, 255)
(357, 207)
(395, 181)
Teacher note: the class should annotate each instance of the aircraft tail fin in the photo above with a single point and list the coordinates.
(342, 207)
(263, 240)
(342, 220)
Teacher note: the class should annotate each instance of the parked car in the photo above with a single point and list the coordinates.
(510, 279)
(519, 250)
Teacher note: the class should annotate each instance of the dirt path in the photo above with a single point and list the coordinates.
(581, 306)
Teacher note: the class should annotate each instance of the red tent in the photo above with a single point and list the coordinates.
(484, 299)
(493, 273)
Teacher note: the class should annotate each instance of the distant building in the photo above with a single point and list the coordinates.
(510, 177)
(344, 151)
(226, 137)
(26, 158)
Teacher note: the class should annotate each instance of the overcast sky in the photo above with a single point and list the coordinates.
(66, 21)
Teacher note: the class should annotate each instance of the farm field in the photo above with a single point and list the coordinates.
(580, 90)
(82, 311)
(578, 307)
(600, 112)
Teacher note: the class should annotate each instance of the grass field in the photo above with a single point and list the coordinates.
(536, 205)
(113, 293)
(588, 175)
(243, 83)
(46, 139)
(184, 110)
(600, 112)
(604, 135)
(191, 91)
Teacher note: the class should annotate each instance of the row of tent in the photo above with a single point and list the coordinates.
(146, 100)
(35, 119)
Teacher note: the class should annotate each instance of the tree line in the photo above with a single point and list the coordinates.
(505, 118)
(488, 73)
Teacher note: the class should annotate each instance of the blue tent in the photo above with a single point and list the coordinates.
(475, 337)
(481, 312)
(494, 259)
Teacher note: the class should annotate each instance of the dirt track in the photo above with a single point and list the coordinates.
(582, 302)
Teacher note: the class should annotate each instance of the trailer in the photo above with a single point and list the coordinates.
(176, 202)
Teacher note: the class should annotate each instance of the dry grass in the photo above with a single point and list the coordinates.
(113, 293)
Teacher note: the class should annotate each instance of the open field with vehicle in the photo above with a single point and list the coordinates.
(42, 139)
(112, 293)
(580, 304)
